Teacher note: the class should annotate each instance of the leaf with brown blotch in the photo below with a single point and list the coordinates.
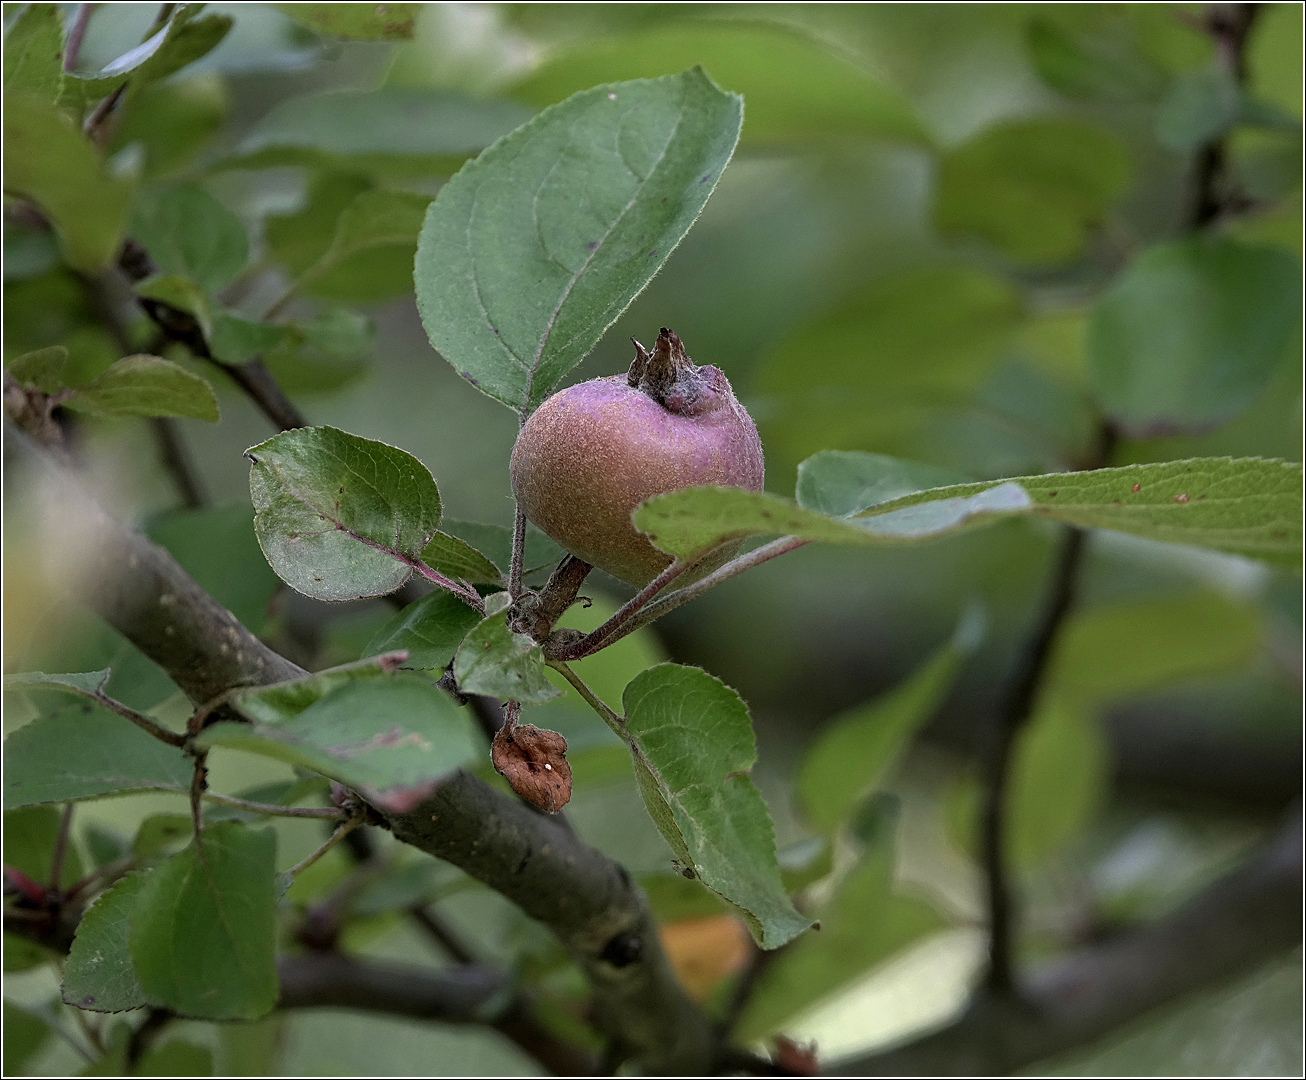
(534, 761)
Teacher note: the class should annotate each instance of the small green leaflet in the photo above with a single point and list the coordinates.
(1246, 506)
(180, 292)
(99, 975)
(393, 737)
(340, 517)
(692, 744)
(281, 701)
(33, 52)
(203, 934)
(41, 368)
(457, 559)
(429, 629)
(147, 386)
(84, 752)
(532, 250)
(374, 219)
(841, 484)
(493, 660)
(87, 684)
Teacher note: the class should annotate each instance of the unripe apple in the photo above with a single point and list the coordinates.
(593, 452)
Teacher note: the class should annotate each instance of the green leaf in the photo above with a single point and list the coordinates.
(1128, 648)
(339, 517)
(203, 935)
(41, 368)
(840, 483)
(430, 629)
(182, 41)
(393, 738)
(692, 744)
(99, 975)
(1091, 66)
(1247, 506)
(373, 223)
(29, 839)
(863, 924)
(532, 251)
(861, 375)
(322, 354)
(493, 660)
(457, 559)
(495, 541)
(147, 386)
(48, 160)
(158, 832)
(33, 53)
(189, 233)
(1191, 332)
(25, 1034)
(298, 240)
(176, 1058)
(181, 293)
(1200, 106)
(1059, 776)
(1032, 188)
(171, 122)
(217, 547)
(283, 701)
(358, 22)
(796, 90)
(83, 752)
(86, 684)
(386, 132)
(856, 749)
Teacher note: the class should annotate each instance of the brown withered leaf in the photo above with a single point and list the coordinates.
(534, 761)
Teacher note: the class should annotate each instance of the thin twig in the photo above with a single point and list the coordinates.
(273, 810)
(643, 609)
(615, 722)
(75, 34)
(344, 830)
(143, 722)
(177, 460)
(60, 847)
(198, 784)
(442, 935)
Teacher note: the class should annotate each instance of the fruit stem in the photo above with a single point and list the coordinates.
(615, 722)
(516, 567)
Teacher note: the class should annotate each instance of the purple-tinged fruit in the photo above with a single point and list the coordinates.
(593, 452)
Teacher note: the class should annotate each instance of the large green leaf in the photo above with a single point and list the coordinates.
(40, 368)
(532, 251)
(796, 89)
(340, 517)
(33, 53)
(87, 684)
(187, 231)
(456, 558)
(1033, 188)
(147, 386)
(840, 483)
(282, 701)
(692, 744)
(203, 934)
(387, 131)
(857, 748)
(1248, 506)
(48, 160)
(171, 122)
(1191, 332)
(493, 660)
(84, 752)
(430, 629)
(495, 543)
(393, 737)
(863, 924)
(359, 22)
(1101, 66)
(99, 975)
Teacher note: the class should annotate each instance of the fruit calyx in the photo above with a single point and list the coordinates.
(672, 379)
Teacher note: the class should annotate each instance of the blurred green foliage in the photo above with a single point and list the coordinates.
(950, 233)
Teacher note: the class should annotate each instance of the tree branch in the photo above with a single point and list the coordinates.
(1245, 919)
(586, 899)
